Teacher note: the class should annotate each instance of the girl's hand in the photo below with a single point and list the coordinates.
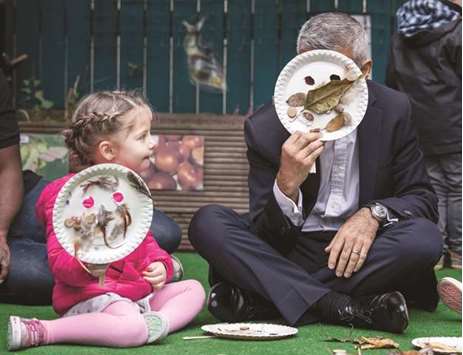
(156, 274)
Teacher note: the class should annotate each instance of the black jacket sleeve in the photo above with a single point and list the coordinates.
(413, 195)
(267, 218)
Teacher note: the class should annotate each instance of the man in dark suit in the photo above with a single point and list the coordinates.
(352, 244)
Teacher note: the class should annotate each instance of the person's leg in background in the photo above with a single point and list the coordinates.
(445, 174)
(168, 235)
(452, 171)
(29, 280)
(166, 231)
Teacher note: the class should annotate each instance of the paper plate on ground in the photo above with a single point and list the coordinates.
(102, 214)
(442, 345)
(250, 331)
(303, 101)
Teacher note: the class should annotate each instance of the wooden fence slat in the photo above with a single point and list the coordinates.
(53, 46)
(380, 36)
(27, 42)
(239, 56)
(317, 6)
(105, 45)
(350, 6)
(78, 51)
(265, 51)
(293, 16)
(212, 34)
(131, 30)
(158, 42)
(184, 90)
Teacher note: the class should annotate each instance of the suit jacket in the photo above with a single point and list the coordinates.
(391, 167)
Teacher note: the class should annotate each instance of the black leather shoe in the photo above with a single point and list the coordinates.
(229, 303)
(387, 312)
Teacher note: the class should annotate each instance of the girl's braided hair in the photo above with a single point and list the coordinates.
(97, 115)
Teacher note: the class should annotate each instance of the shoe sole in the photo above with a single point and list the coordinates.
(14, 333)
(158, 326)
(405, 305)
(405, 311)
(450, 293)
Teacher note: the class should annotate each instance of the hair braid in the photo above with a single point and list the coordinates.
(98, 115)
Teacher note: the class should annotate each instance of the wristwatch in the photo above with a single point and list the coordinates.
(381, 214)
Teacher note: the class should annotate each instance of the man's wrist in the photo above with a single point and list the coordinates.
(291, 192)
(367, 212)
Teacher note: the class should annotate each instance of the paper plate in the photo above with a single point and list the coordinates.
(439, 344)
(105, 221)
(320, 65)
(250, 331)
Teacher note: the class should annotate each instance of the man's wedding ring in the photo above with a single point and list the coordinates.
(355, 252)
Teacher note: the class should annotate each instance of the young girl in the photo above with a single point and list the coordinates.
(135, 306)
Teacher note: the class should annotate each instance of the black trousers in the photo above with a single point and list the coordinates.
(401, 259)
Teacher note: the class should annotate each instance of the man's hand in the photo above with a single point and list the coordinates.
(349, 247)
(298, 154)
(156, 274)
(4, 258)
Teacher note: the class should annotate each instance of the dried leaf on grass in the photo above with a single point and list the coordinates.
(376, 343)
(368, 342)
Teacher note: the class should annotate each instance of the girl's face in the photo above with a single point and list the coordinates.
(133, 146)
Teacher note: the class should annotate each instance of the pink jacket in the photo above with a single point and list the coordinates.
(73, 284)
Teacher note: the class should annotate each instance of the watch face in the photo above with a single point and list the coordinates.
(381, 211)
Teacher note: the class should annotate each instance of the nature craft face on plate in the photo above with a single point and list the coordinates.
(321, 90)
(102, 214)
(100, 224)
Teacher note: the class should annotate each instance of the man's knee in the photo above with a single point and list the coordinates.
(202, 225)
(423, 242)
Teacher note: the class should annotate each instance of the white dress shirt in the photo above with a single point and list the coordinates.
(338, 194)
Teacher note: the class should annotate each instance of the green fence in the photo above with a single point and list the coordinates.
(139, 44)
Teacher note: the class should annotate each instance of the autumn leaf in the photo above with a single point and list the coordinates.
(326, 97)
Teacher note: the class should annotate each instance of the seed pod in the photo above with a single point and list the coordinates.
(336, 123)
(339, 108)
(347, 118)
(296, 100)
(308, 116)
(292, 112)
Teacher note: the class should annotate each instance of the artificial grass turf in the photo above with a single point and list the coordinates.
(310, 339)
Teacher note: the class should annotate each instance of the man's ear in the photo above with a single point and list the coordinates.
(106, 150)
(366, 67)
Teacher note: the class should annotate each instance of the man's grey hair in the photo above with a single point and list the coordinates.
(334, 31)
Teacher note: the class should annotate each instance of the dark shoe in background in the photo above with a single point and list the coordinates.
(229, 303)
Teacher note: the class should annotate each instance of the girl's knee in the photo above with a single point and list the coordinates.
(196, 290)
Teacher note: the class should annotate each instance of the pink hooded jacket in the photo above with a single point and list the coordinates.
(73, 284)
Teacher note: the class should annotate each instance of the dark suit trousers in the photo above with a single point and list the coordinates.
(401, 259)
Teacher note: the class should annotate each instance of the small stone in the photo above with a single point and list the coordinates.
(308, 116)
(292, 112)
